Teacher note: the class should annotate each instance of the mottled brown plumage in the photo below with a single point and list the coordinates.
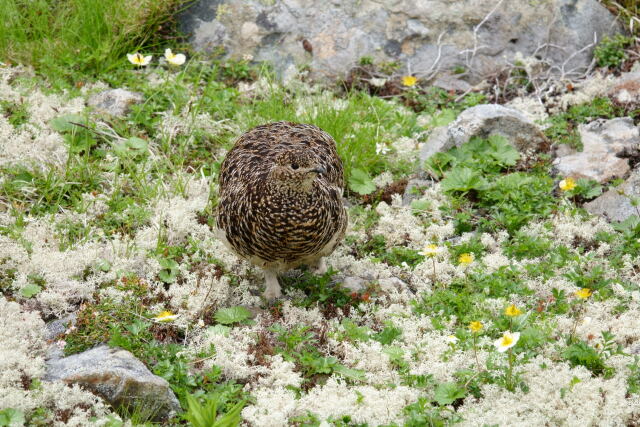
(280, 202)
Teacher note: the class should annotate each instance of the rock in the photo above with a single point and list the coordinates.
(410, 191)
(354, 284)
(56, 327)
(616, 206)
(118, 377)
(626, 90)
(603, 142)
(392, 283)
(53, 330)
(330, 37)
(115, 102)
(483, 121)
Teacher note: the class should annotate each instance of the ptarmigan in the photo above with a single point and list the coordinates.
(280, 202)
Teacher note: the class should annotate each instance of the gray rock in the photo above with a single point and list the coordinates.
(626, 90)
(118, 377)
(392, 283)
(56, 327)
(53, 330)
(615, 204)
(603, 142)
(115, 102)
(354, 284)
(410, 193)
(483, 121)
(331, 36)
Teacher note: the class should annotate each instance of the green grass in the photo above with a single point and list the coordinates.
(73, 39)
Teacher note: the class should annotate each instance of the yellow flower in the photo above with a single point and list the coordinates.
(512, 311)
(138, 59)
(165, 316)
(409, 81)
(430, 250)
(466, 259)
(584, 293)
(174, 59)
(567, 184)
(508, 340)
(476, 326)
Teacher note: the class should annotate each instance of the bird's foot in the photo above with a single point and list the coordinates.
(272, 290)
(319, 267)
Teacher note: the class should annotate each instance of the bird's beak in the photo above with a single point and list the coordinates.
(319, 170)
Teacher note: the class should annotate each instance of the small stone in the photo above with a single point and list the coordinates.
(604, 142)
(411, 190)
(354, 284)
(616, 206)
(59, 326)
(119, 378)
(626, 90)
(483, 121)
(392, 283)
(53, 330)
(115, 102)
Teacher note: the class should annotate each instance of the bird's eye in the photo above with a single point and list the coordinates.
(294, 166)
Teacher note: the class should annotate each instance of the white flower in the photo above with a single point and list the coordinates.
(451, 339)
(174, 59)
(138, 59)
(377, 82)
(382, 148)
(508, 340)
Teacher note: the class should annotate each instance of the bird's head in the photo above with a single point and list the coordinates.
(296, 170)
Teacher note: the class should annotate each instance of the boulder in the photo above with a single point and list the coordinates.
(615, 204)
(605, 142)
(434, 37)
(483, 121)
(119, 378)
(114, 102)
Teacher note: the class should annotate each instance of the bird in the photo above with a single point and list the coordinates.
(280, 199)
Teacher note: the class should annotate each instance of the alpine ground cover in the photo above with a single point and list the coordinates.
(491, 298)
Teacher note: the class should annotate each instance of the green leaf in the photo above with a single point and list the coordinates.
(219, 330)
(131, 147)
(463, 179)
(421, 205)
(11, 417)
(231, 315)
(361, 182)
(447, 393)
(387, 335)
(167, 276)
(440, 162)
(30, 290)
(352, 374)
(355, 332)
(443, 118)
(168, 263)
(65, 123)
(503, 152)
(587, 188)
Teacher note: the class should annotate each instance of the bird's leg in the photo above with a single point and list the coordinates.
(319, 266)
(272, 287)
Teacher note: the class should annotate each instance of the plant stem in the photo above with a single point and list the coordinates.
(510, 386)
(433, 259)
(475, 352)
